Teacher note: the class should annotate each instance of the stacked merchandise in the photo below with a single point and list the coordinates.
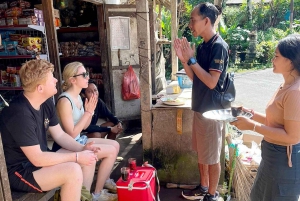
(96, 77)
(20, 12)
(11, 13)
(32, 16)
(10, 77)
(14, 43)
(74, 48)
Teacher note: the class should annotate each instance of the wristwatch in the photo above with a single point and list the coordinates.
(192, 61)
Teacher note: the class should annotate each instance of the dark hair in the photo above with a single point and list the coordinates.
(289, 47)
(209, 10)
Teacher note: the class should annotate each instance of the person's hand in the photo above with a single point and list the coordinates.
(177, 47)
(86, 157)
(90, 104)
(187, 50)
(90, 146)
(114, 129)
(120, 127)
(243, 123)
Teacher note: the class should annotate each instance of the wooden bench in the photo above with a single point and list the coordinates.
(5, 192)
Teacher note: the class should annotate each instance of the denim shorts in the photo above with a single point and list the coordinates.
(82, 139)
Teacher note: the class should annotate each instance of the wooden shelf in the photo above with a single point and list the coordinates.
(42, 56)
(77, 29)
(93, 58)
(2, 88)
(23, 27)
(17, 57)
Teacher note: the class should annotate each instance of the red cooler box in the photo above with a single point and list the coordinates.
(140, 186)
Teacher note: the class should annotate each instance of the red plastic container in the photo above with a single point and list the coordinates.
(141, 185)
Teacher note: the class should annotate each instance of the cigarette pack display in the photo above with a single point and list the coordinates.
(12, 21)
(140, 186)
(11, 47)
(2, 22)
(32, 12)
(30, 20)
(30, 41)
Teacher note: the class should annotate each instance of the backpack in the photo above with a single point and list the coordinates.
(226, 95)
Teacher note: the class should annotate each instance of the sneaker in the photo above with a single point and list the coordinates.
(111, 185)
(105, 196)
(119, 159)
(209, 197)
(196, 194)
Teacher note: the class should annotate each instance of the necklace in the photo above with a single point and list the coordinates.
(282, 86)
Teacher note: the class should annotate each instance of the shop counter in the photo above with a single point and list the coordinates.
(171, 141)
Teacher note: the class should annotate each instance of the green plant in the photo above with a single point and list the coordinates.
(236, 37)
(265, 51)
(234, 16)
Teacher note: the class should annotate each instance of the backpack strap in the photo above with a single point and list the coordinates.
(64, 97)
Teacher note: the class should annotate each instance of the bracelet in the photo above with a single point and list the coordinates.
(76, 157)
(254, 127)
(89, 112)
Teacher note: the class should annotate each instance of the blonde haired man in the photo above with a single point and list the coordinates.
(31, 166)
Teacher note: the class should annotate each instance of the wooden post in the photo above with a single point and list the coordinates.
(5, 193)
(159, 17)
(104, 55)
(152, 16)
(143, 31)
(173, 37)
(52, 41)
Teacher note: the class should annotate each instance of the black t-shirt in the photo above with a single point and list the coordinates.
(211, 56)
(102, 111)
(21, 125)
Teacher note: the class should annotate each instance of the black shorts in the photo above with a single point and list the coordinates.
(21, 178)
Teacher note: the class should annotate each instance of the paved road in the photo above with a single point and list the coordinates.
(255, 89)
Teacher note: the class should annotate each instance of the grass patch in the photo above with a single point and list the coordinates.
(242, 69)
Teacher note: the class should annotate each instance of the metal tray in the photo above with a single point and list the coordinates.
(224, 115)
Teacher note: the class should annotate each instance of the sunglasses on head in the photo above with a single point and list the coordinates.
(85, 75)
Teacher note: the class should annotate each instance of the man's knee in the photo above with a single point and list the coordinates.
(74, 172)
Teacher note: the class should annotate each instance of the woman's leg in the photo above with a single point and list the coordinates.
(93, 131)
(108, 154)
(110, 135)
(101, 141)
(96, 135)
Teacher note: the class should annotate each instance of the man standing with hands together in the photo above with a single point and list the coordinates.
(208, 71)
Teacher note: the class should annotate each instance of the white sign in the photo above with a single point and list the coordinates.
(119, 33)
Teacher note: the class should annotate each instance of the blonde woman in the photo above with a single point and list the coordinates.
(74, 117)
